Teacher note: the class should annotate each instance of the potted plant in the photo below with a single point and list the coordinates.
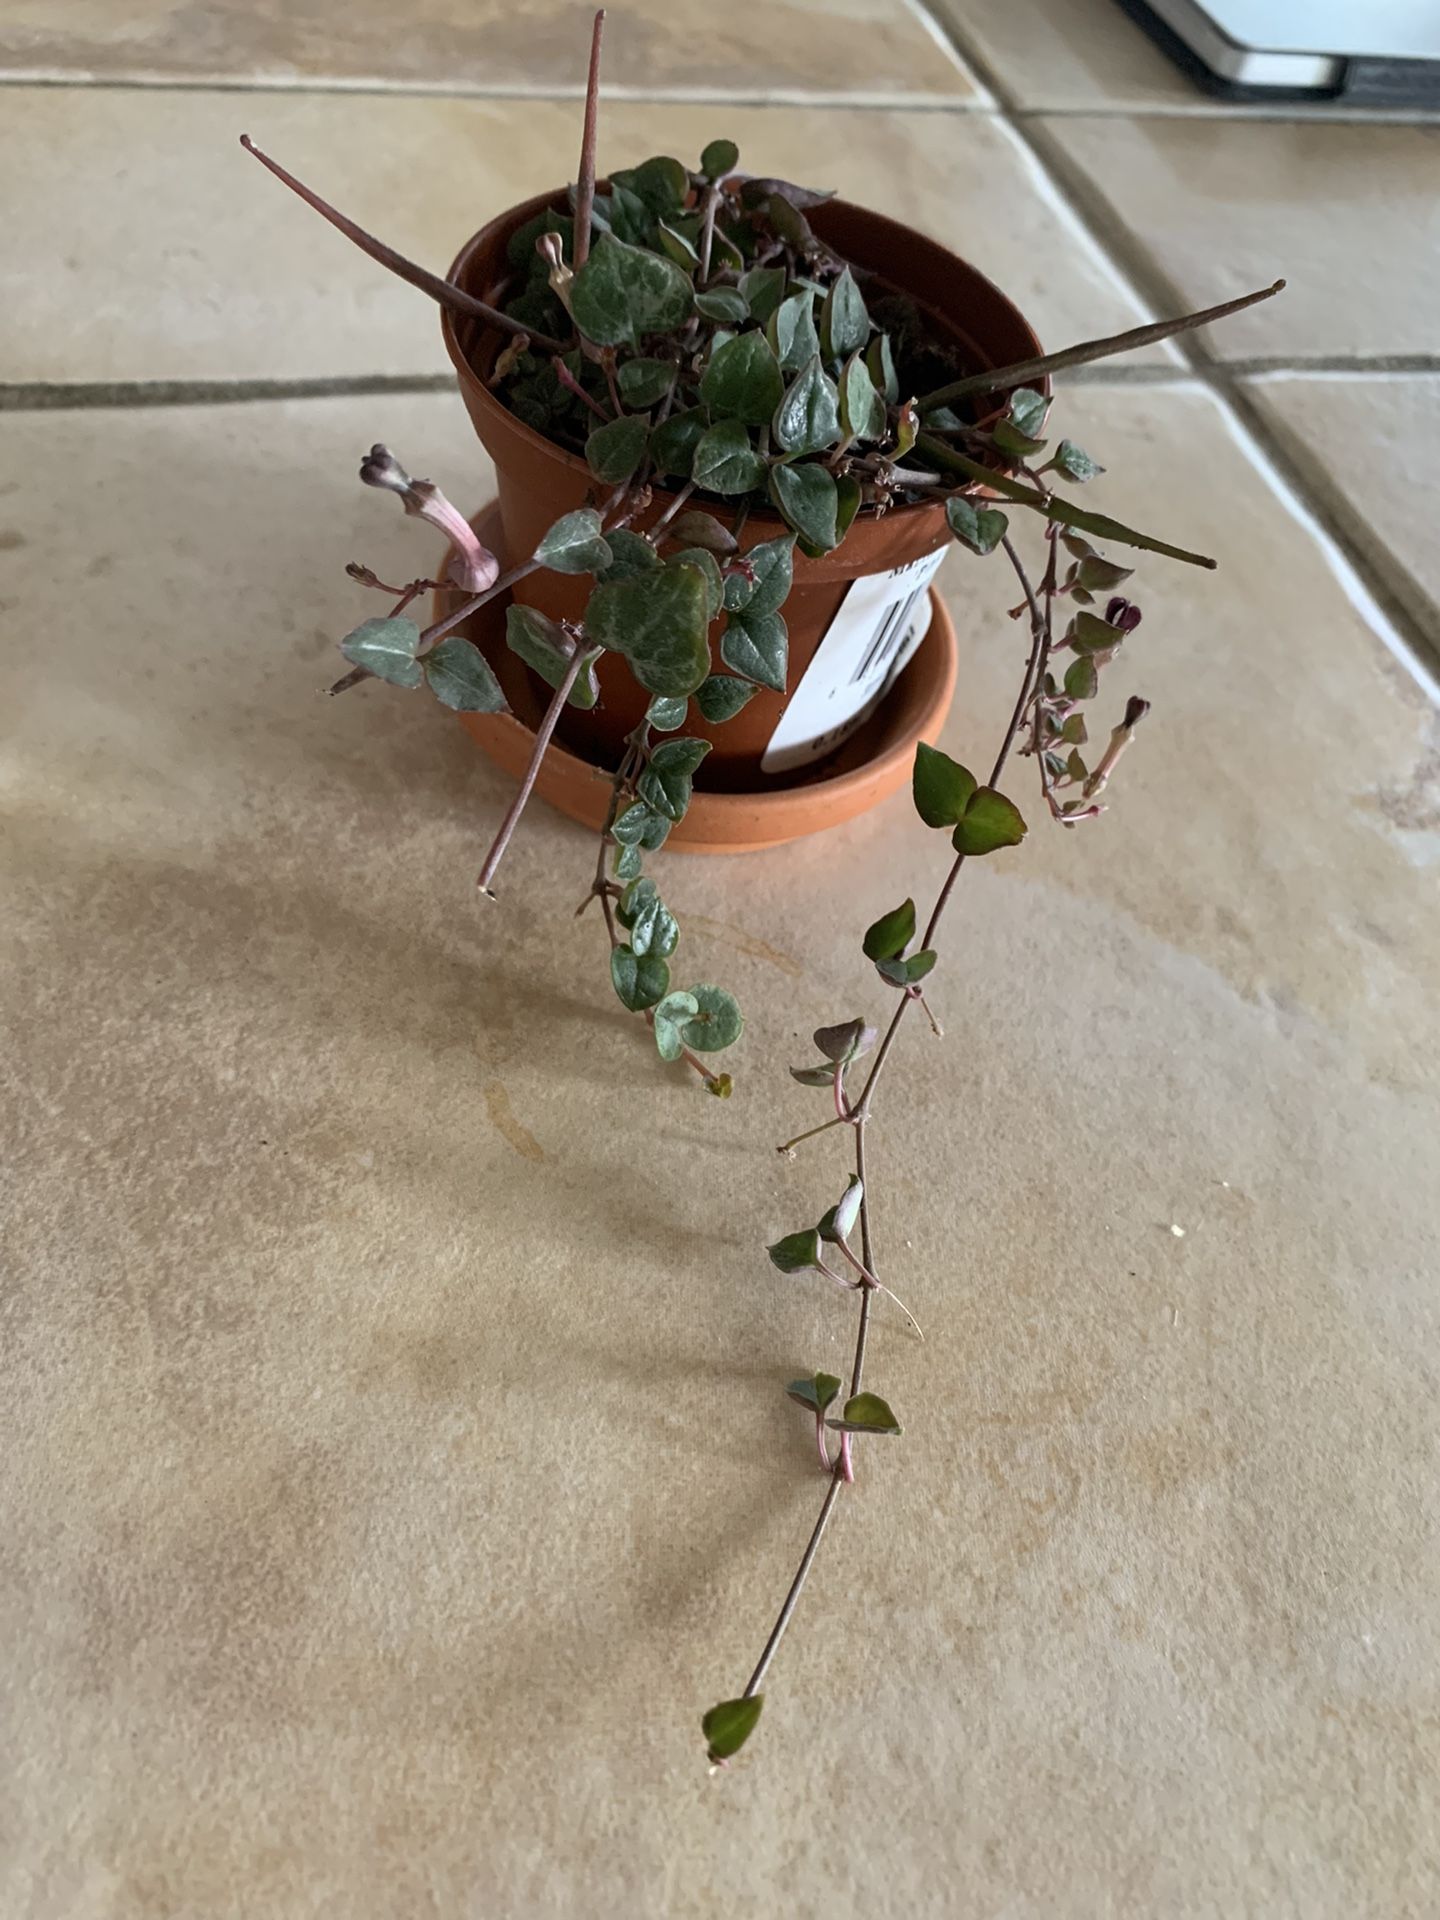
(717, 404)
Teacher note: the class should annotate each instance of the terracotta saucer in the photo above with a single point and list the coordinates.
(870, 765)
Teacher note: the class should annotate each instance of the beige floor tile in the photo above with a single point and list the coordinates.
(1367, 447)
(183, 260)
(395, 1456)
(1350, 215)
(768, 49)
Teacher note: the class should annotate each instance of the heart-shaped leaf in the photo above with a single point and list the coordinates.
(805, 495)
(721, 696)
(866, 1413)
(727, 1727)
(547, 649)
(845, 1042)
(743, 380)
(991, 822)
(459, 676)
(669, 1016)
(838, 1223)
(629, 555)
(666, 712)
(639, 979)
(1028, 409)
(704, 563)
(727, 305)
(791, 330)
(1075, 463)
(889, 936)
(807, 419)
(796, 1252)
(942, 787)
(862, 411)
(575, 544)
(673, 443)
(844, 322)
(817, 1393)
(662, 183)
(660, 621)
(1090, 634)
(644, 382)
(772, 571)
(701, 530)
(724, 460)
(666, 781)
(624, 292)
(764, 289)
(979, 528)
(614, 451)
(757, 646)
(813, 1076)
(1082, 679)
(716, 1023)
(385, 648)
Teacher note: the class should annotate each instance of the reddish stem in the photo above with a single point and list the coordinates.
(585, 188)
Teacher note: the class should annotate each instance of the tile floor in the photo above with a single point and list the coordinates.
(373, 1529)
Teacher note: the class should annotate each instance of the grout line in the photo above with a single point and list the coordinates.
(878, 101)
(1298, 114)
(1133, 262)
(47, 396)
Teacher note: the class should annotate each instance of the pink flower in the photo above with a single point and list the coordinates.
(472, 566)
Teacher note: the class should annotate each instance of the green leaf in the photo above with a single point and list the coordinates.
(1098, 575)
(628, 865)
(639, 979)
(791, 330)
(905, 973)
(866, 1413)
(669, 1015)
(806, 496)
(880, 363)
(844, 322)
(385, 648)
(547, 649)
(662, 183)
(758, 647)
(701, 530)
(644, 382)
(623, 292)
(816, 1393)
(991, 821)
(813, 1076)
(838, 1223)
(1090, 634)
(673, 443)
(942, 787)
(845, 1042)
(1028, 409)
(1075, 463)
(629, 555)
(727, 1727)
(743, 380)
(772, 568)
(575, 544)
(666, 712)
(1010, 440)
(725, 304)
(797, 1252)
(1074, 733)
(459, 676)
(807, 419)
(614, 451)
(716, 1023)
(979, 528)
(721, 697)
(660, 621)
(623, 212)
(889, 936)
(520, 247)
(764, 289)
(704, 562)
(665, 784)
(675, 246)
(719, 158)
(640, 826)
(725, 461)
(847, 504)
(862, 411)
(1082, 679)
(649, 922)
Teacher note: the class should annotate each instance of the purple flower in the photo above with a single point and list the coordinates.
(472, 566)
(1123, 614)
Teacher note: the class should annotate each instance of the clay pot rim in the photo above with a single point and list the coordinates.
(471, 376)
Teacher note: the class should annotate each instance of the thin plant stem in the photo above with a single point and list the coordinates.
(797, 1585)
(537, 754)
(443, 291)
(839, 1120)
(585, 186)
(1001, 379)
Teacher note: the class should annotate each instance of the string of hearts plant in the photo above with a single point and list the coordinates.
(686, 330)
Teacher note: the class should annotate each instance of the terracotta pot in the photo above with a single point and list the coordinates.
(538, 481)
(873, 763)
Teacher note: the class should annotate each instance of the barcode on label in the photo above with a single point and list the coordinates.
(881, 621)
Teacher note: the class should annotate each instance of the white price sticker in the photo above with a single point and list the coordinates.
(882, 620)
